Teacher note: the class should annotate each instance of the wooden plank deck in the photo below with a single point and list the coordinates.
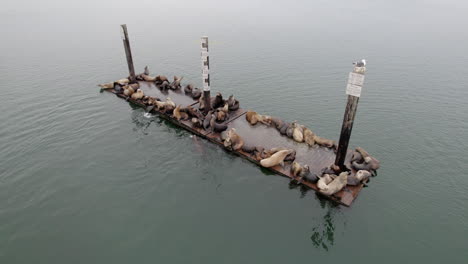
(259, 135)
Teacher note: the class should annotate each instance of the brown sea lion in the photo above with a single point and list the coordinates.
(248, 148)
(370, 164)
(165, 85)
(107, 85)
(128, 90)
(283, 129)
(298, 131)
(146, 71)
(289, 131)
(196, 122)
(298, 170)
(220, 116)
(178, 114)
(148, 78)
(278, 123)
(309, 137)
(253, 118)
(219, 127)
(123, 81)
(176, 83)
(188, 89)
(336, 185)
(233, 141)
(138, 95)
(358, 177)
(275, 159)
(169, 108)
(193, 112)
(170, 102)
(217, 101)
(207, 119)
(160, 79)
(233, 104)
(324, 142)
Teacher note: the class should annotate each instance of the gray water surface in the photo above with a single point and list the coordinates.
(86, 178)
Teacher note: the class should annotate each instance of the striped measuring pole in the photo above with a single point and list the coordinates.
(205, 58)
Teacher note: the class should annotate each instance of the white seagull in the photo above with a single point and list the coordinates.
(361, 63)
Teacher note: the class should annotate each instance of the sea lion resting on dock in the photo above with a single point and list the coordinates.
(160, 79)
(178, 114)
(298, 170)
(176, 83)
(324, 180)
(128, 90)
(217, 101)
(360, 176)
(275, 159)
(328, 143)
(188, 89)
(253, 118)
(336, 185)
(196, 93)
(362, 160)
(309, 137)
(233, 104)
(138, 95)
(233, 141)
(297, 132)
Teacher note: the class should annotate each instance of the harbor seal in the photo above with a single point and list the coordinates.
(233, 140)
(275, 159)
(336, 185)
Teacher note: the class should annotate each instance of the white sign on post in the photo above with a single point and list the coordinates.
(355, 82)
(205, 64)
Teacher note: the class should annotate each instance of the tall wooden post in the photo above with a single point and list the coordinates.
(128, 52)
(353, 90)
(206, 73)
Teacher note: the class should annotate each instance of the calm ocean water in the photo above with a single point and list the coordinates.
(85, 177)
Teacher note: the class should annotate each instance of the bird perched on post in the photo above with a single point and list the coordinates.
(361, 63)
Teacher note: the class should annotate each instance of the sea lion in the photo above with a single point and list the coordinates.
(220, 116)
(176, 83)
(193, 112)
(223, 135)
(148, 78)
(206, 121)
(309, 137)
(196, 122)
(201, 102)
(233, 141)
(107, 85)
(336, 185)
(160, 105)
(217, 101)
(178, 114)
(128, 90)
(275, 159)
(328, 143)
(138, 95)
(369, 164)
(253, 118)
(219, 127)
(283, 129)
(118, 88)
(169, 108)
(233, 104)
(196, 93)
(146, 71)
(225, 108)
(188, 89)
(165, 85)
(160, 79)
(297, 133)
(357, 157)
(289, 131)
(311, 177)
(248, 148)
(325, 180)
(299, 170)
(360, 176)
(123, 81)
(291, 156)
(278, 123)
(170, 102)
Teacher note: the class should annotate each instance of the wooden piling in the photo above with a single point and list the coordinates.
(128, 52)
(353, 90)
(206, 73)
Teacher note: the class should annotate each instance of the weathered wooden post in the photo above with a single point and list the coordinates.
(206, 73)
(128, 52)
(353, 90)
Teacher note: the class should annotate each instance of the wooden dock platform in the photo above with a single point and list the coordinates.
(259, 135)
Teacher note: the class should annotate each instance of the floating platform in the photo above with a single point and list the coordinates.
(259, 135)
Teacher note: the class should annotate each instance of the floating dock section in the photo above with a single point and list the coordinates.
(317, 158)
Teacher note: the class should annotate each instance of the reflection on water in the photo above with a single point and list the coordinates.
(323, 236)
